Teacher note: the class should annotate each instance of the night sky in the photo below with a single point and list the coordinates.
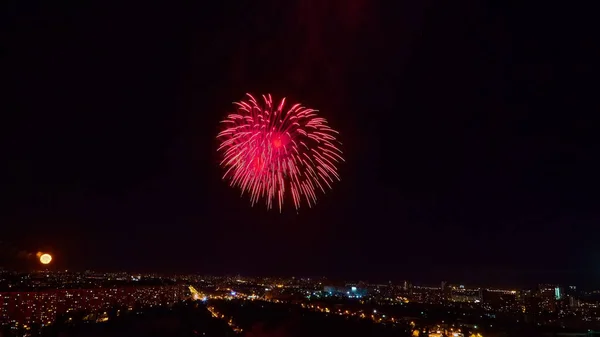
(469, 130)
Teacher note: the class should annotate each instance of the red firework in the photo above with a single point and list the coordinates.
(269, 151)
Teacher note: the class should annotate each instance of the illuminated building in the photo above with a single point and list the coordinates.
(345, 291)
(465, 295)
(557, 293)
(547, 294)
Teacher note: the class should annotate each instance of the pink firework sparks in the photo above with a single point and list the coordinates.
(269, 151)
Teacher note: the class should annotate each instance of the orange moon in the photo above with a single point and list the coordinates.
(45, 258)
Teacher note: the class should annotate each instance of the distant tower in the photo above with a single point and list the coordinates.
(558, 293)
(443, 286)
(573, 302)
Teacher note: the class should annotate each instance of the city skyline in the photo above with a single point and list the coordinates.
(41, 302)
(33, 265)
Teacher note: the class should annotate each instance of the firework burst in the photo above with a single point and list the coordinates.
(270, 151)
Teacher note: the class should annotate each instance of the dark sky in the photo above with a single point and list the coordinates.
(469, 129)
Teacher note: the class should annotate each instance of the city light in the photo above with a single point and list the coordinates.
(38, 297)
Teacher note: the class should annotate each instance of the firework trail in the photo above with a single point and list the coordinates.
(270, 151)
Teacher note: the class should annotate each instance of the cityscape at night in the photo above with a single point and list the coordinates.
(299, 168)
(50, 302)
